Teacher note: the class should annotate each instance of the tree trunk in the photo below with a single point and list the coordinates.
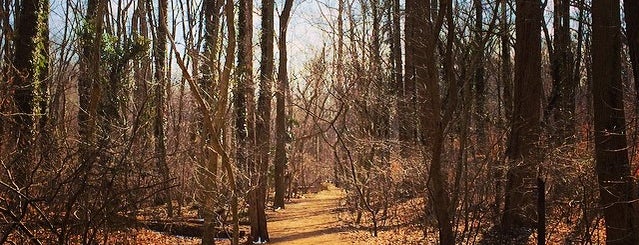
(89, 89)
(562, 102)
(519, 213)
(209, 163)
(429, 101)
(244, 123)
(220, 118)
(259, 230)
(631, 15)
(506, 82)
(5, 53)
(505, 61)
(616, 185)
(30, 97)
(281, 126)
(214, 118)
(478, 75)
(30, 77)
(397, 63)
(159, 51)
(407, 96)
(209, 82)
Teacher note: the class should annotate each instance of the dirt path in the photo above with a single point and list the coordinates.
(310, 220)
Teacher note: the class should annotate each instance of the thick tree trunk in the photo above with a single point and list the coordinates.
(259, 230)
(562, 102)
(631, 15)
(5, 53)
(616, 186)
(407, 95)
(244, 123)
(519, 213)
(209, 165)
(31, 65)
(89, 93)
(30, 80)
(281, 125)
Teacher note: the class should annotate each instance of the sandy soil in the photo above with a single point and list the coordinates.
(309, 220)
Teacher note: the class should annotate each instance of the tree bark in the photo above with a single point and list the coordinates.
(396, 56)
(631, 15)
(506, 83)
(478, 74)
(159, 51)
(520, 213)
(407, 91)
(89, 89)
(259, 230)
(281, 125)
(5, 72)
(243, 105)
(31, 63)
(243, 116)
(506, 75)
(258, 194)
(616, 186)
(209, 82)
(429, 101)
(562, 101)
(209, 163)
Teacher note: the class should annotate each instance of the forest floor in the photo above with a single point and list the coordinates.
(312, 219)
(321, 218)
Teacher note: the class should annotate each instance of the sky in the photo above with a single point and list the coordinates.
(305, 35)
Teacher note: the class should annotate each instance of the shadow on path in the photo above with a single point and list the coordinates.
(310, 220)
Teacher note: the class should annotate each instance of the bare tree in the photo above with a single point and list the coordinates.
(259, 230)
(159, 52)
(281, 121)
(562, 101)
(430, 106)
(31, 63)
(519, 210)
(506, 75)
(242, 98)
(616, 186)
(30, 78)
(631, 15)
(407, 95)
(479, 80)
(88, 82)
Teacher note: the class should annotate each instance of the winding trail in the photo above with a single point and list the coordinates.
(309, 220)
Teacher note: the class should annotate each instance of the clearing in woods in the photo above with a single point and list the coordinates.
(310, 220)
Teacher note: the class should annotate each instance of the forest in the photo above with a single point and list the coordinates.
(390, 122)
